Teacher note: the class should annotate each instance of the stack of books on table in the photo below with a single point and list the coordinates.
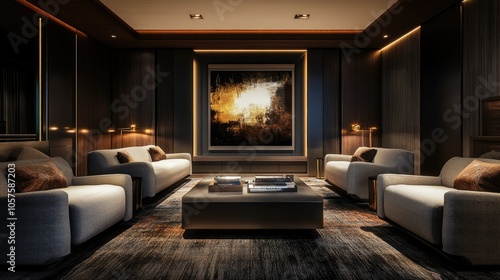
(225, 184)
(272, 183)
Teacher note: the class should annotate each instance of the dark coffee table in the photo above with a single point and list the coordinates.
(242, 210)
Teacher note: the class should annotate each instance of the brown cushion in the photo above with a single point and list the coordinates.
(479, 176)
(39, 177)
(364, 154)
(157, 153)
(491, 154)
(124, 157)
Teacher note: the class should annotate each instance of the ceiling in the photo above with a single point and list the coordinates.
(248, 15)
(242, 24)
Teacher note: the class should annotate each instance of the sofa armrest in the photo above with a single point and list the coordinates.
(471, 226)
(182, 156)
(140, 169)
(385, 180)
(357, 176)
(179, 156)
(42, 227)
(122, 180)
(337, 157)
(134, 169)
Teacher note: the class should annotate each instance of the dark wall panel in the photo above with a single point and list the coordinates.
(165, 100)
(331, 101)
(183, 100)
(481, 62)
(440, 128)
(93, 99)
(60, 59)
(133, 96)
(315, 80)
(401, 95)
(360, 99)
(18, 92)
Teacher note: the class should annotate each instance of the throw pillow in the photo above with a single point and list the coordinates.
(124, 157)
(157, 153)
(491, 154)
(28, 153)
(364, 154)
(479, 176)
(39, 177)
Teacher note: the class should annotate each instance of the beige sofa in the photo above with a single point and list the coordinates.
(49, 222)
(464, 224)
(156, 175)
(353, 176)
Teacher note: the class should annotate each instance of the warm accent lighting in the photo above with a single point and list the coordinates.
(133, 127)
(53, 128)
(113, 36)
(196, 16)
(401, 38)
(385, 36)
(357, 127)
(111, 130)
(301, 16)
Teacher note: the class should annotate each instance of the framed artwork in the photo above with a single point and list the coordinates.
(251, 106)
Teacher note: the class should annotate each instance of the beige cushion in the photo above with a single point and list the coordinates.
(94, 208)
(418, 208)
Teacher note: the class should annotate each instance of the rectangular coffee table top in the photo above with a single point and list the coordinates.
(303, 194)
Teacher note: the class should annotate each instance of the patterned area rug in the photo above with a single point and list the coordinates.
(354, 244)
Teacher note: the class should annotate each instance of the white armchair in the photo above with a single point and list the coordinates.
(352, 176)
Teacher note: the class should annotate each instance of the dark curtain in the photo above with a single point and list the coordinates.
(17, 102)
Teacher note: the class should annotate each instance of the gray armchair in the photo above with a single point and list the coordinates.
(50, 222)
(462, 223)
(353, 176)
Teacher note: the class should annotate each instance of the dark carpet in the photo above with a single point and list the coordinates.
(354, 244)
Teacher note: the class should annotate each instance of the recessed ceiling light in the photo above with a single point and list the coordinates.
(113, 36)
(301, 16)
(385, 36)
(196, 16)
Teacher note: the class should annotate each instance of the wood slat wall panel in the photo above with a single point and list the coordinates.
(165, 100)
(400, 95)
(481, 61)
(331, 99)
(59, 76)
(360, 99)
(133, 93)
(93, 99)
(440, 91)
